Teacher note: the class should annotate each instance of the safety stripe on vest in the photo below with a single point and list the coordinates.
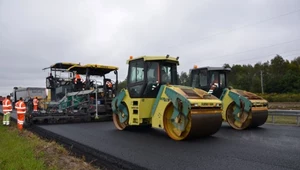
(5, 105)
(20, 122)
(35, 102)
(20, 107)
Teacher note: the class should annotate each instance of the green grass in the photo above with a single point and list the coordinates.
(283, 120)
(281, 97)
(27, 151)
(18, 153)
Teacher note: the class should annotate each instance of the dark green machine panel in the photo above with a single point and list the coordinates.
(71, 101)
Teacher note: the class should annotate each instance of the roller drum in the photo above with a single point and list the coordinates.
(205, 125)
(259, 117)
(198, 124)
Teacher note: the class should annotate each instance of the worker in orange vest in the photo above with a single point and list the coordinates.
(77, 78)
(109, 84)
(214, 84)
(35, 104)
(6, 109)
(21, 110)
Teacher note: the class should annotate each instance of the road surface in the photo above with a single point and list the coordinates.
(269, 147)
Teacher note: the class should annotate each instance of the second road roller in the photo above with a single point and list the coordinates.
(154, 98)
(241, 109)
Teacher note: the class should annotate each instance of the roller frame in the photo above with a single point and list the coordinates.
(166, 97)
(181, 107)
(253, 115)
(242, 105)
(162, 103)
(118, 107)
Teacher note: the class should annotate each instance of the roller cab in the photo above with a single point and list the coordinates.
(154, 98)
(241, 109)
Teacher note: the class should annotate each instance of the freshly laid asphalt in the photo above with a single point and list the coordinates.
(268, 147)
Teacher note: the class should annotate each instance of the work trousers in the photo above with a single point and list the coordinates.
(6, 118)
(35, 108)
(21, 120)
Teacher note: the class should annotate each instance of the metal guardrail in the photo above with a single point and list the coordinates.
(277, 112)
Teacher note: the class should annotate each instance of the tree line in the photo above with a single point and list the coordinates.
(275, 76)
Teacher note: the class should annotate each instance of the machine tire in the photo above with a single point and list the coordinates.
(230, 118)
(117, 123)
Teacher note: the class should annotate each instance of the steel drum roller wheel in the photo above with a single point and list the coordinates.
(244, 121)
(119, 125)
(259, 117)
(172, 131)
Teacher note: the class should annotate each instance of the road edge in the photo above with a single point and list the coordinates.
(92, 155)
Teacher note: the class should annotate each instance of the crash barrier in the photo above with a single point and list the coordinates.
(289, 113)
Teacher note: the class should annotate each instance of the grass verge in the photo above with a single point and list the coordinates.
(26, 151)
(283, 120)
(284, 105)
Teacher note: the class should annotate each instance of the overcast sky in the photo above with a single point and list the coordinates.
(38, 33)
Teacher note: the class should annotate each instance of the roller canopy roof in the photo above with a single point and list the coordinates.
(213, 68)
(94, 69)
(155, 58)
(62, 65)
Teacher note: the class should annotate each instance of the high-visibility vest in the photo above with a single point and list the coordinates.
(35, 102)
(77, 77)
(21, 107)
(6, 106)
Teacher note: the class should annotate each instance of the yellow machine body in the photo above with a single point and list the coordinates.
(43, 103)
(241, 109)
(181, 111)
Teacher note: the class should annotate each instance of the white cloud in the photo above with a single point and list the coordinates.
(36, 34)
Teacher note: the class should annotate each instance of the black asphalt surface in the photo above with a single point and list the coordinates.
(269, 147)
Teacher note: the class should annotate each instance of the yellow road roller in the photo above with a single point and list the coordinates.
(241, 109)
(153, 98)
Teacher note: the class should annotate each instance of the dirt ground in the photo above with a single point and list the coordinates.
(54, 155)
(285, 105)
(57, 157)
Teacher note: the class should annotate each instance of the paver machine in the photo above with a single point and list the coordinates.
(58, 83)
(154, 98)
(241, 109)
(72, 100)
(100, 95)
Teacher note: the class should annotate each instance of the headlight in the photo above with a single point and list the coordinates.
(195, 104)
